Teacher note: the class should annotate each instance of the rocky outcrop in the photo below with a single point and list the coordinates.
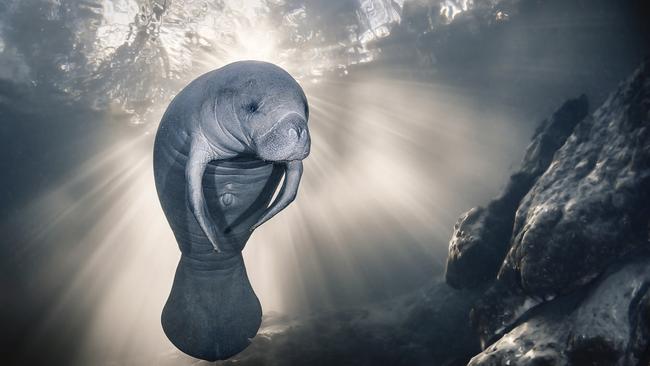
(566, 248)
(481, 236)
(608, 327)
(591, 206)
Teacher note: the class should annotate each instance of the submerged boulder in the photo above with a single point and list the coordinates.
(609, 326)
(592, 206)
(481, 236)
(559, 283)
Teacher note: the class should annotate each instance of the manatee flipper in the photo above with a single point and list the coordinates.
(287, 194)
(199, 158)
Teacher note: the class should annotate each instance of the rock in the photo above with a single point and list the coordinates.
(603, 325)
(579, 217)
(640, 336)
(591, 206)
(537, 342)
(481, 236)
(498, 310)
(567, 292)
(608, 326)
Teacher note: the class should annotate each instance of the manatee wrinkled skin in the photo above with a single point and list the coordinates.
(221, 150)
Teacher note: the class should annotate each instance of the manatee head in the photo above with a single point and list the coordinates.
(272, 110)
(260, 106)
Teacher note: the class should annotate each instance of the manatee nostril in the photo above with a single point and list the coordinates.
(295, 131)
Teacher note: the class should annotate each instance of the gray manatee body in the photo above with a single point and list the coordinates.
(221, 150)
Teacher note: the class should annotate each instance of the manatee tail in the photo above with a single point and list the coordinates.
(212, 312)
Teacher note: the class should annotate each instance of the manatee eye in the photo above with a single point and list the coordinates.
(252, 107)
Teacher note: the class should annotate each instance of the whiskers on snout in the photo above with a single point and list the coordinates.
(287, 140)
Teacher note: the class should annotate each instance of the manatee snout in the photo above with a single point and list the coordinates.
(287, 140)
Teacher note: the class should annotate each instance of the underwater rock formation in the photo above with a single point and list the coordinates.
(591, 206)
(574, 272)
(608, 327)
(481, 236)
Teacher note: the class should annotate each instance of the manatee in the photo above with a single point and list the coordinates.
(222, 148)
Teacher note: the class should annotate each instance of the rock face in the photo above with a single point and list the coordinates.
(592, 205)
(603, 329)
(564, 253)
(481, 236)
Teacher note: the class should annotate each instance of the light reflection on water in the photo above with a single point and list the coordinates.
(130, 55)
